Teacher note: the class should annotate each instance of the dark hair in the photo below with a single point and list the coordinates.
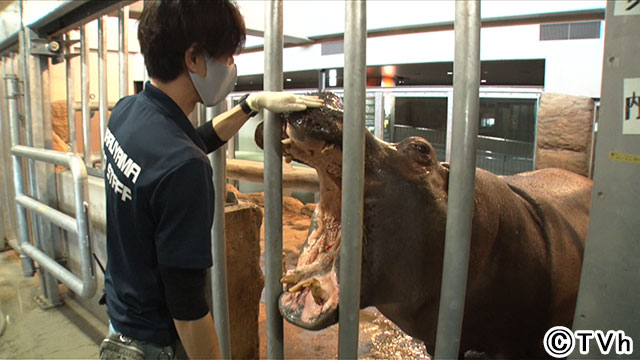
(168, 27)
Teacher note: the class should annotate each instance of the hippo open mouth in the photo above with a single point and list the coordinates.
(311, 292)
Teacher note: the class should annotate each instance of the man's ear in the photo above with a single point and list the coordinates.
(194, 60)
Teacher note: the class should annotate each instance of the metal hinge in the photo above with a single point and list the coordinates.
(48, 47)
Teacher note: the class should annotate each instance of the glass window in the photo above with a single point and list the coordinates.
(422, 116)
(506, 133)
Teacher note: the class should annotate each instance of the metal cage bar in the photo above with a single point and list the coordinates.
(219, 294)
(22, 231)
(71, 119)
(355, 39)
(5, 147)
(273, 50)
(84, 85)
(466, 91)
(123, 52)
(102, 79)
(86, 285)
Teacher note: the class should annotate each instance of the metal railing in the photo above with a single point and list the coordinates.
(85, 285)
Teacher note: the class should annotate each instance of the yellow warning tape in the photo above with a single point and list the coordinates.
(622, 157)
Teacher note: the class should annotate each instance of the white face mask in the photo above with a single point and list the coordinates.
(217, 84)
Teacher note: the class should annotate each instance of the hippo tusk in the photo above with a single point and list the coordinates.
(327, 149)
(305, 284)
(287, 141)
(316, 292)
(291, 278)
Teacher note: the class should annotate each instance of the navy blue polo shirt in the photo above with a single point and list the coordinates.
(160, 201)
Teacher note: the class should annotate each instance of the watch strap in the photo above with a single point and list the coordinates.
(245, 107)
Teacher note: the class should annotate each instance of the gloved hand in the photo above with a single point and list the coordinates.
(280, 102)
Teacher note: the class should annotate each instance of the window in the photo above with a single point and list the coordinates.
(570, 31)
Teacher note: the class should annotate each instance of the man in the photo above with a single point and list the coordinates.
(159, 191)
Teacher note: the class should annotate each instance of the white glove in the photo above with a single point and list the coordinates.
(280, 102)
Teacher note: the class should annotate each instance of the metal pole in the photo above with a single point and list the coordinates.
(231, 144)
(5, 214)
(102, 79)
(378, 118)
(447, 156)
(21, 214)
(5, 144)
(355, 66)
(71, 113)
(84, 85)
(466, 82)
(274, 40)
(123, 33)
(33, 92)
(219, 248)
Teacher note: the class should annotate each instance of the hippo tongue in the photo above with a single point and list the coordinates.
(311, 290)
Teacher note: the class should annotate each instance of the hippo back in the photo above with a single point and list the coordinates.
(560, 201)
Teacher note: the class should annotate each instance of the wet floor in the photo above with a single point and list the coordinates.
(379, 338)
(70, 332)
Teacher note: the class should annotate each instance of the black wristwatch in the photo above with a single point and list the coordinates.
(245, 107)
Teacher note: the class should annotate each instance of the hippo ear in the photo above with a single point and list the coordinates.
(258, 136)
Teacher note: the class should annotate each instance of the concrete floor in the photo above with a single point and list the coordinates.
(63, 332)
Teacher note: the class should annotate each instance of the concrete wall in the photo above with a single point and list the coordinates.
(565, 128)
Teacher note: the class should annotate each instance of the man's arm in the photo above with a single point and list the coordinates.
(199, 337)
(227, 124)
(185, 295)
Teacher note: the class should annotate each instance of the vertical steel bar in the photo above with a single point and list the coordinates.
(594, 131)
(355, 50)
(274, 40)
(102, 79)
(84, 85)
(18, 181)
(35, 224)
(466, 82)
(71, 112)
(219, 248)
(5, 143)
(447, 157)
(5, 213)
(231, 144)
(123, 33)
(379, 116)
(40, 135)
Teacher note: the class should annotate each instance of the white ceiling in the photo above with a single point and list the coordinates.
(321, 17)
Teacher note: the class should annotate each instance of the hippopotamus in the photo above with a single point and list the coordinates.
(528, 236)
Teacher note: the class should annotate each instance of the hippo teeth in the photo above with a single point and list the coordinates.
(287, 141)
(327, 149)
(314, 285)
(313, 282)
(291, 278)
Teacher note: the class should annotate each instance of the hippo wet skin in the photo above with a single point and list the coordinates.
(528, 237)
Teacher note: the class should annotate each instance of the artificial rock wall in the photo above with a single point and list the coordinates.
(565, 125)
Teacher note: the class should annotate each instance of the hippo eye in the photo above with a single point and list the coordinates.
(421, 148)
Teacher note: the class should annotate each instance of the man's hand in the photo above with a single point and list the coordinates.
(280, 102)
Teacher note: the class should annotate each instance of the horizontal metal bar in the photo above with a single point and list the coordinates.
(75, 15)
(61, 273)
(48, 156)
(93, 106)
(47, 212)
